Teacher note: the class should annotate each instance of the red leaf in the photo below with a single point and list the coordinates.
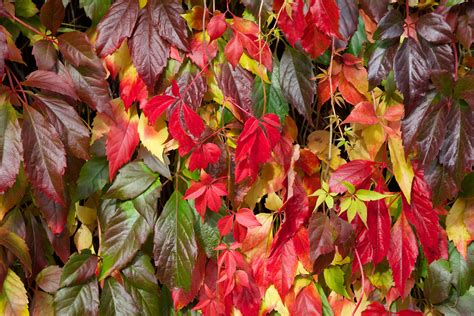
(181, 298)
(378, 222)
(44, 155)
(225, 224)
(254, 145)
(362, 113)
(375, 309)
(156, 106)
(245, 217)
(54, 213)
(11, 149)
(132, 88)
(115, 26)
(326, 17)
(122, 140)
(201, 53)
(204, 155)
(246, 296)
(402, 253)
(356, 172)
(314, 42)
(423, 216)
(293, 27)
(281, 268)
(206, 193)
(233, 50)
(301, 242)
(186, 126)
(307, 302)
(216, 26)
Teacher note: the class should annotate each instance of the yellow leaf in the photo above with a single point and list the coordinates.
(374, 138)
(273, 202)
(13, 298)
(402, 168)
(272, 301)
(456, 227)
(254, 67)
(86, 214)
(153, 137)
(318, 143)
(83, 238)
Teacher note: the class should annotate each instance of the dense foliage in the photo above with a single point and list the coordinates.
(286, 157)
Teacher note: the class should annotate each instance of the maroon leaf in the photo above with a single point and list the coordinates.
(69, 125)
(443, 186)
(60, 242)
(356, 172)
(44, 155)
(402, 253)
(381, 62)
(438, 56)
(115, 26)
(378, 222)
(423, 216)
(348, 18)
(191, 87)
(149, 51)
(390, 27)
(376, 9)
(3, 52)
(45, 55)
(37, 242)
(54, 213)
(236, 84)
(52, 14)
(50, 81)
(321, 237)
(166, 15)
(11, 149)
(411, 73)
(77, 49)
(433, 28)
(457, 151)
(432, 131)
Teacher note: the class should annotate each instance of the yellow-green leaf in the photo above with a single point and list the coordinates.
(13, 298)
(402, 168)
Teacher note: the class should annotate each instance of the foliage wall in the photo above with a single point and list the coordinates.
(286, 157)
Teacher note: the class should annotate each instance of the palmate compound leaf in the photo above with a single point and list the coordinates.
(402, 253)
(44, 155)
(116, 26)
(125, 233)
(175, 248)
(115, 300)
(11, 149)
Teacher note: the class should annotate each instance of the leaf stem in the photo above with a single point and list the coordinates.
(33, 29)
(359, 301)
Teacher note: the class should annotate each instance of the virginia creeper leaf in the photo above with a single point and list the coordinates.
(51, 81)
(79, 269)
(93, 177)
(115, 300)
(81, 299)
(17, 246)
(11, 149)
(13, 298)
(390, 26)
(433, 28)
(52, 14)
(378, 224)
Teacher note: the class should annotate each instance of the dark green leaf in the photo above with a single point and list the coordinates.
(25, 8)
(175, 248)
(78, 300)
(132, 180)
(468, 185)
(438, 283)
(461, 275)
(93, 177)
(146, 203)
(124, 235)
(207, 233)
(358, 39)
(95, 9)
(115, 300)
(296, 73)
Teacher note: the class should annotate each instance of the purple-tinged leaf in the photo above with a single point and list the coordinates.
(70, 127)
(149, 51)
(52, 14)
(191, 88)
(115, 300)
(166, 16)
(77, 50)
(51, 81)
(54, 213)
(457, 151)
(45, 55)
(38, 244)
(381, 62)
(432, 130)
(81, 299)
(348, 18)
(442, 184)
(375, 9)
(321, 240)
(116, 25)
(390, 26)
(433, 28)
(236, 85)
(438, 56)
(296, 72)
(78, 269)
(411, 73)
(11, 149)
(3, 52)
(44, 155)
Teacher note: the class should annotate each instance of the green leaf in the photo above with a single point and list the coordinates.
(124, 235)
(451, 3)
(327, 310)
(461, 279)
(13, 298)
(334, 277)
(95, 9)
(93, 177)
(367, 195)
(358, 39)
(78, 300)
(79, 268)
(350, 187)
(438, 283)
(207, 233)
(468, 185)
(115, 300)
(131, 181)
(25, 8)
(146, 203)
(273, 97)
(17, 247)
(175, 248)
(140, 282)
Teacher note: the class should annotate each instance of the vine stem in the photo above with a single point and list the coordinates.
(359, 301)
(453, 45)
